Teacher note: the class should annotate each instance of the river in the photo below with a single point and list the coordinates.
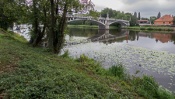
(141, 53)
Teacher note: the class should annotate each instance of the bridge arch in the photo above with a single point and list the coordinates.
(121, 22)
(93, 21)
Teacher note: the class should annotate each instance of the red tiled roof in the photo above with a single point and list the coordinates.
(165, 18)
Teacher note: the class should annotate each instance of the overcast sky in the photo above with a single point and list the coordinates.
(147, 8)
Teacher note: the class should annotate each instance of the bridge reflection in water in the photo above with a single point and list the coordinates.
(77, 36)
(105, 36)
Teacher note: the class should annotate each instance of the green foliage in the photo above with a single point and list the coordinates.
(83, 58)
(142, 29)
(94, 14)
(147, 87)
(41, 75)
(66, 54)
(139, 17)
(11, 11)
(115, 14)
(158, 15)
(133, 21)
(150, 29)
(174, 20)
(152, 19)
(117, 71)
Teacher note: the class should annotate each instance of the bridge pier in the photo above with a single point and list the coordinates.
(107, 27)
(101, 27)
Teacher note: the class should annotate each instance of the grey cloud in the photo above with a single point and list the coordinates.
(148, 9)
(129, 1)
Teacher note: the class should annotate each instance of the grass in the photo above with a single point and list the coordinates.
(152, 28)
(35, 73)
(89, 26)
(84, 26)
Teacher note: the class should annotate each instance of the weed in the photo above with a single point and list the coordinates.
(117, 71)
(66, 54)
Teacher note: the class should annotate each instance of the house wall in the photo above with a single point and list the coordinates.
(163, 23)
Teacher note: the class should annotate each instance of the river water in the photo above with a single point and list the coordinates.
(140, 53)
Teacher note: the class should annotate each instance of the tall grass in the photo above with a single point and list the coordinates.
(117, 71)
(148, 87)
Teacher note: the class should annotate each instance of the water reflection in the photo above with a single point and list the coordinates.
(154, 41)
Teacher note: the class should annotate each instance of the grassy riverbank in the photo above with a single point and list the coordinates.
(152, 28)
(89, 26)
(135, 28)
(27, 72)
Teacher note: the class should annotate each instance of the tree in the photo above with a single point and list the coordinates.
(52, 15)
(158, 15)
(94, 14)
(133, 21)
(139, 16)
(174, 20)
(115, 14)
(59, 10)
(48, 18)
(135, 14)
(152, 19)
(9, 12)
(106, 11)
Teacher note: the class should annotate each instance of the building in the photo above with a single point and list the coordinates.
(143, 22)
(165, 20)
(88, 5)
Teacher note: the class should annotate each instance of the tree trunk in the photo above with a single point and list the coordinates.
(61, 28)
(53, 32)
(35, 24)
(40, 33)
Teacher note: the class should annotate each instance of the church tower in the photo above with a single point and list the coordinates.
(88, 6)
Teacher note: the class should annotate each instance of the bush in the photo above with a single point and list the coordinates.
(66, 54)
(148, 87)
(117, 71)
(142, 28)
(150, 28)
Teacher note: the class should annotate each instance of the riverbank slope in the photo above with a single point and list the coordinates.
(27, 72)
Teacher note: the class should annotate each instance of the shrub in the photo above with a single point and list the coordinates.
(117, 71)
(148, 87)
(66, 54)
(150, 28)
(142, 28)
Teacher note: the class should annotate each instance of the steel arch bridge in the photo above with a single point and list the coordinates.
(103, 23)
